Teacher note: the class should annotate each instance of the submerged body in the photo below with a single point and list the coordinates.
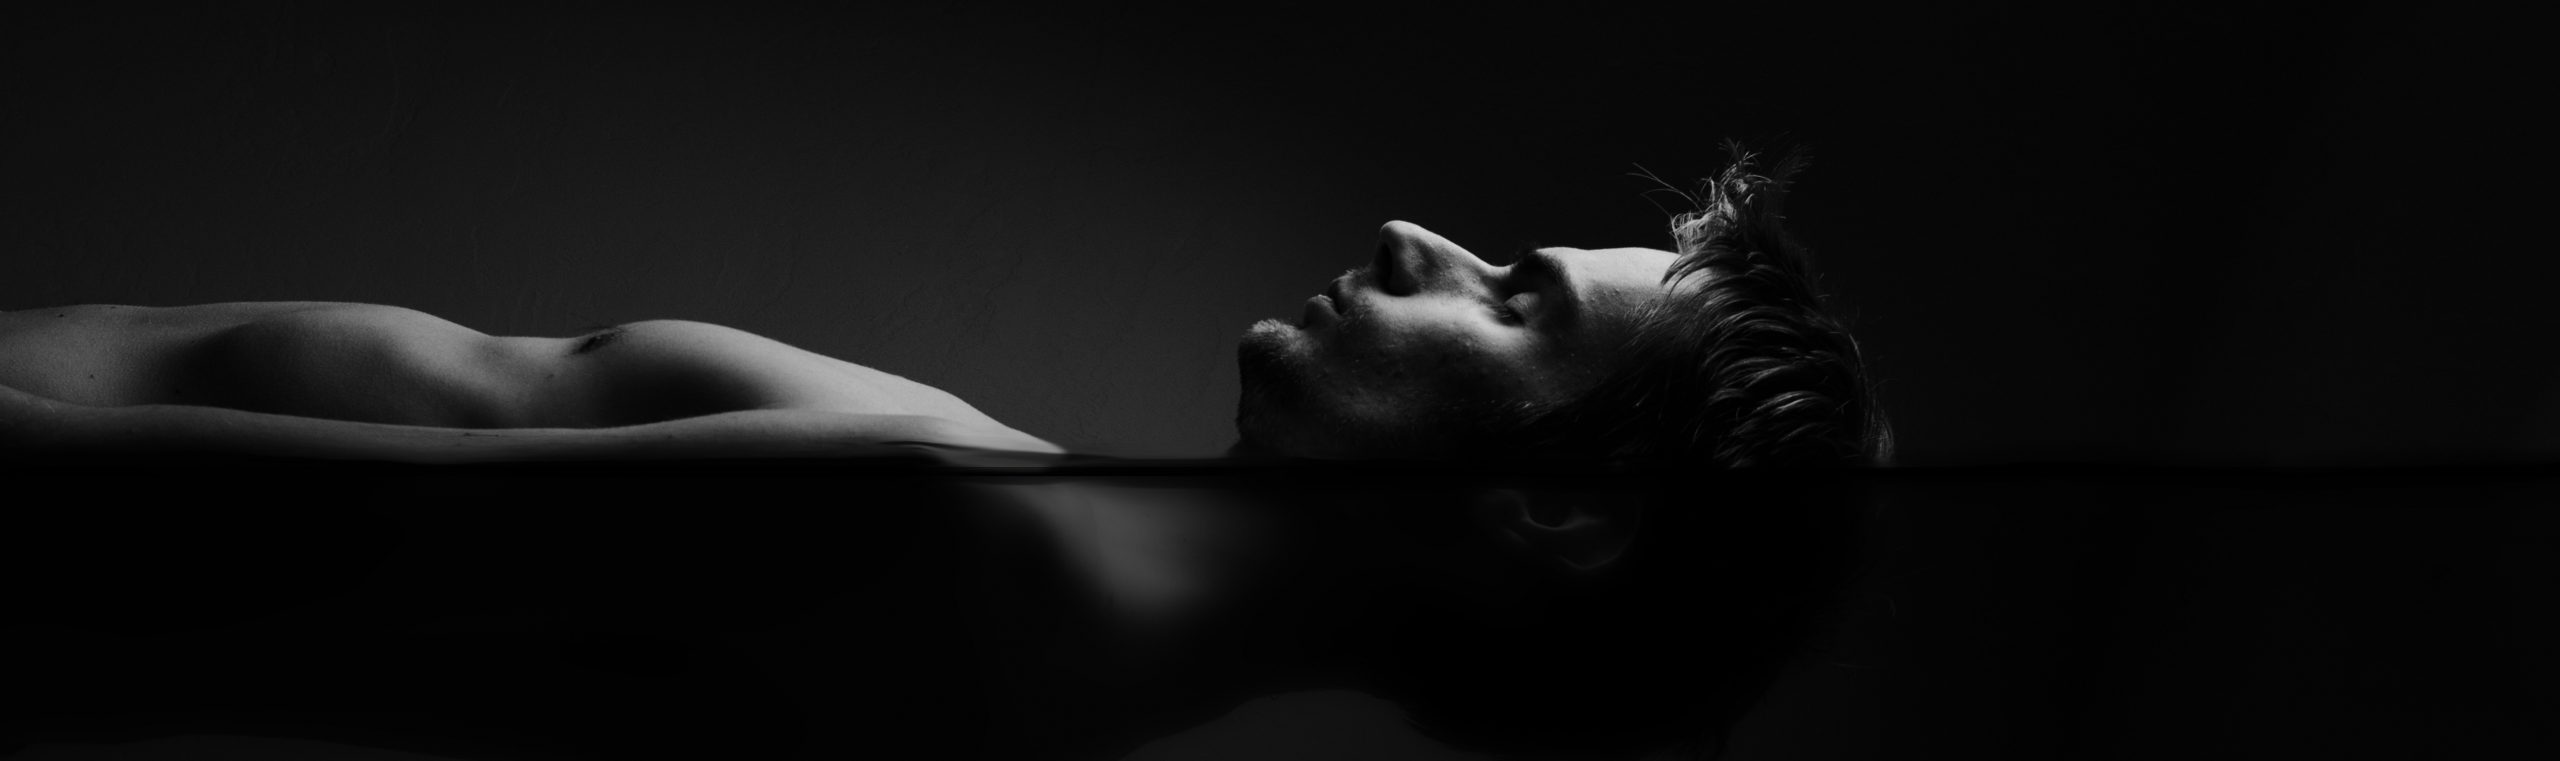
(1077, 570)
(388, 365)
(1549, 615)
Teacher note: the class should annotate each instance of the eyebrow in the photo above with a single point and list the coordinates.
(1544, 264)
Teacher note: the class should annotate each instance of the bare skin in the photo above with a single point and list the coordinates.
(1371, 368)
(392, 375)
(1376, 360)
(1129, 611)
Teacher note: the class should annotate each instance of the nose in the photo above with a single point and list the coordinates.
(1410, 258)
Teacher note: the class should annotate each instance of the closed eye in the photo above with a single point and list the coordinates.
(1516, 308)
(1538, 276)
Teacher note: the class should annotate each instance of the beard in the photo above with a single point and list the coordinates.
(1297, 402)
(1268, 382)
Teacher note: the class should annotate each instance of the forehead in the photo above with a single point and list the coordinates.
(1617, 282)
(1635, 264)
(1614, 286)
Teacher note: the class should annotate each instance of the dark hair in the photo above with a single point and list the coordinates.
(1741, 365)
(1742, 408)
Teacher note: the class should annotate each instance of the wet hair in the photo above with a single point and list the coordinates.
(1743, 409)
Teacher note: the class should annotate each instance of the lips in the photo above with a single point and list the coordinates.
(1319, 307)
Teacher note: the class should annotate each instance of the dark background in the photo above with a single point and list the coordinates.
(2273, 235)
(2165, 234)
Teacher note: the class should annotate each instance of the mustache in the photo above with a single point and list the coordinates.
(1342, 288)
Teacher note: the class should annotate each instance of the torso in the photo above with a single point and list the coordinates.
(391, 365)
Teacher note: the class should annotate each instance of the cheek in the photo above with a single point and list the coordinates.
(1432, 359)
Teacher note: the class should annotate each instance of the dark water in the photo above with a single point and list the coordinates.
(781, 610)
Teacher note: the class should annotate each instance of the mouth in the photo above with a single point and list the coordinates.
(1334, 303)
(1319, 306)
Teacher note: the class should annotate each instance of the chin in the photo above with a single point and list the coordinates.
(1268, 425)
(1261, 366)
(1286, 405)
(1272, 338)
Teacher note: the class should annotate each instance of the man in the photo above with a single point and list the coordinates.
(1377, 360)
(1411, 356)
(1719, 356)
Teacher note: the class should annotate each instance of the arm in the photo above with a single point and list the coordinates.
(31, 424)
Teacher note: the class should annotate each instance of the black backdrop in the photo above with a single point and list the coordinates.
(2245, 236)
(2251, 237)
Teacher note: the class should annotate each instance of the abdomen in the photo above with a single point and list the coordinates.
(375, 364)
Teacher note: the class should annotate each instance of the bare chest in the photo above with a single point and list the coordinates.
(714, 368)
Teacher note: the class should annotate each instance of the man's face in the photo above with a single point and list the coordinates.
(1382, 362)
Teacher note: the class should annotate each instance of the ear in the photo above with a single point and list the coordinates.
(1578, 531)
